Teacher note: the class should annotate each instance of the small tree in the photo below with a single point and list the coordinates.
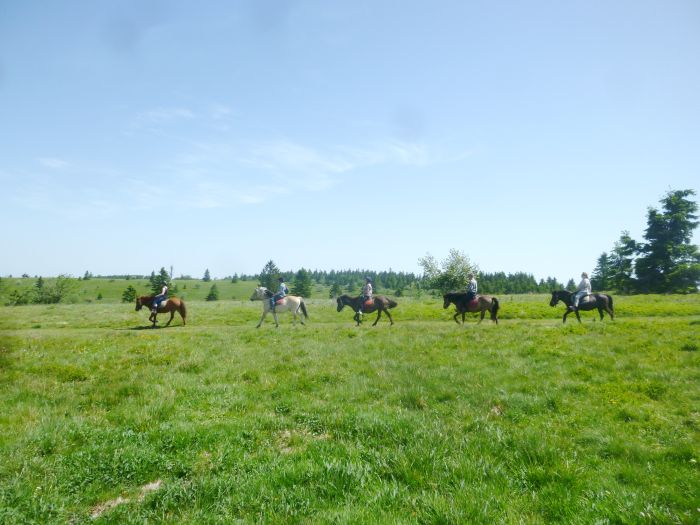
(160, 280)
(234, 279)
(129, 295)
(302, 284)
(571, 285)
(213, 294)
(269, 275)
(335, 291)
(450, 275)
(207, 276)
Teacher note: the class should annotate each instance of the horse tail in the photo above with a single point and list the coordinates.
(390, 303)
(303, 309)
(183, 311)
(494, 308)
(610, 302)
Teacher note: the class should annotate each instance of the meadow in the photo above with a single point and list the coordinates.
(104, 420)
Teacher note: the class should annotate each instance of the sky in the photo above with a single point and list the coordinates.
(358, 134)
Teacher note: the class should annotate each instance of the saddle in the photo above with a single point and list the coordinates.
(474, 302)
(368, 303)
(586, 298)
(281, 301)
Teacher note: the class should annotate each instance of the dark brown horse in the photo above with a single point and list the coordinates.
(600, 301)
(171, 304)
(378, 303)
(482, 303)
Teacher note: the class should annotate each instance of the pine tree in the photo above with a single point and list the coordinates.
(668, 261)
(335, 291)
(129, 295)
(600, 278)
(207, 276)
(269, 275)
(158, 281)
(571, 285)
(302, 285)
(621, 261)
(213, 294)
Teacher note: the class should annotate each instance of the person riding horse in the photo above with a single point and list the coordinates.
(582, 291)
(282, 292)
(471, 288)
(366, 295)
(162, 296)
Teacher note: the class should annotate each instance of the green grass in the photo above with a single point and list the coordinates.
(530, 421)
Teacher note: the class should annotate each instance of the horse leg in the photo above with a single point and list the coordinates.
(172, 314)
(457, 315)
(274, 314)
(262, 318)
(600, 311)
(356, 318)
(565, 314)
(379, 314)
(578, 316)
(482, 315)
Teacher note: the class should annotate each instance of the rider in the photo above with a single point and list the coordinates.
(471, 288)
(584, 289)
(366, 294)
(282, 291)
(162, 296)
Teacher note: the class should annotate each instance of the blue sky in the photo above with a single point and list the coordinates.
(334, 135)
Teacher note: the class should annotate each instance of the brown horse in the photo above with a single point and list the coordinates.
(482, 303)
(600, 301)
(171, 304)
(378, 303)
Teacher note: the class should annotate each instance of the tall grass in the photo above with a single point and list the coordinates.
(530, 421)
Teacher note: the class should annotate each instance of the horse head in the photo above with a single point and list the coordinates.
(341, 302)
(258, 293)
(559, 295)
(138, 304)
(447, 300)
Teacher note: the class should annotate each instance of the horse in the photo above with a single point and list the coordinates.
(600, 301)
(482, 303)
(171, 304)
(289, 303)
(378, 303)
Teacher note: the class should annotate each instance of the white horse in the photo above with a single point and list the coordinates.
(290, 303)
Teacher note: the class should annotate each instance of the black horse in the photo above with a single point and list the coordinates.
(378, 303)
(482, 303)
(600, 301)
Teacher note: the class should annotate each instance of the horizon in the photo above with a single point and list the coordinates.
(342, 135)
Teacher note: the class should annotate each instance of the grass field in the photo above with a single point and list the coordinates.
(105, 421)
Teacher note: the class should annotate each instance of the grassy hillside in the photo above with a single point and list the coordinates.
(105, 421)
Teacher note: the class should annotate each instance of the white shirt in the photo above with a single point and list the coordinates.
(584, 286)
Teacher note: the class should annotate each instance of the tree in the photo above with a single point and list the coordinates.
(571, 285)
(206, 277)
(302, 285)
(450, 275)
(621, 261)
(335, 291)
(87, 276)
(269, 275)
(600, 278)
(159, 280)
(234, 279)
(213, 294)
(54, 292)
(129, 295)
(668, 261)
